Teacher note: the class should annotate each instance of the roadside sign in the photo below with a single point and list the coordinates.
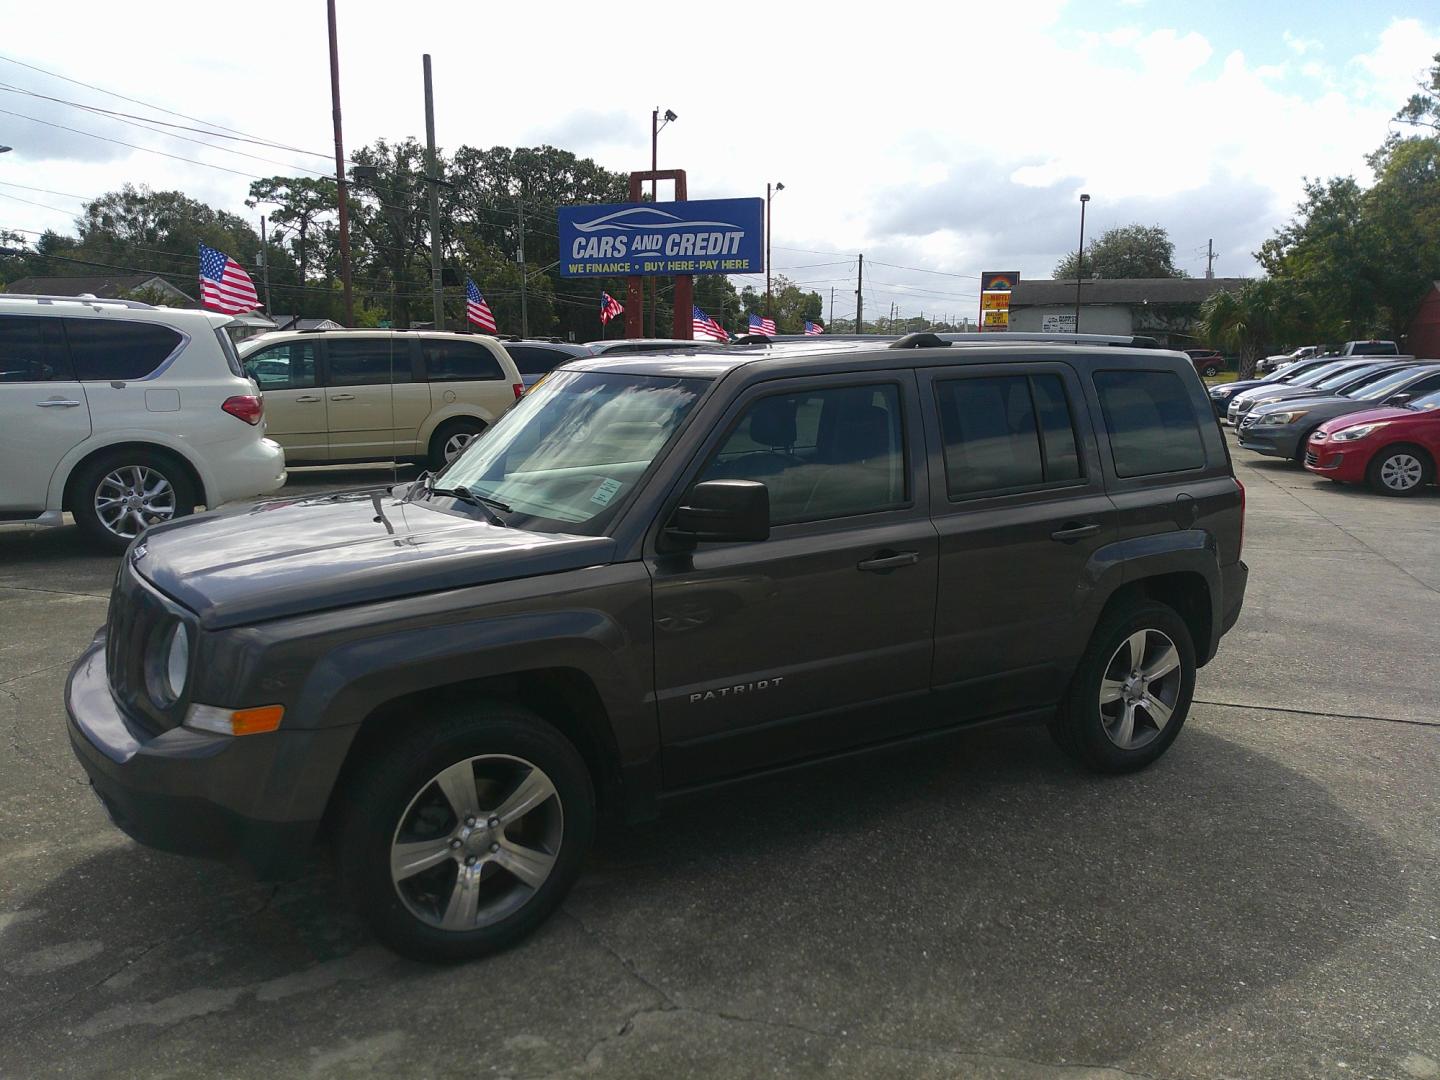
(997, 320)
(995, 301)
(700, 236)
(1058, 324)
(999, 280)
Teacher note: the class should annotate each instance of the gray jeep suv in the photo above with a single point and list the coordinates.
(657, 573)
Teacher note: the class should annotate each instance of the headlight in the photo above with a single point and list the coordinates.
(168, 664)
(1359, 431)
(1221, 392)
(1282, 417)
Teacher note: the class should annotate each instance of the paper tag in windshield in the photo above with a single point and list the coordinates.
(606, 491)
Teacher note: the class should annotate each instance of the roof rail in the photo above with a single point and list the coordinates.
(920, 340)
(83, 298)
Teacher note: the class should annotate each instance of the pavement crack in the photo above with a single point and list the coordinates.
(1322, 715)
(55, 592)
(624, 961)
(26, 752)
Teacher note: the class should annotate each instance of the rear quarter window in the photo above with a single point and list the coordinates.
(458, 361)
(1150, 422)
(109, 350)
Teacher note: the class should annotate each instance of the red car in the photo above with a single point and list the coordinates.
(1393, 450)
(1207, 361)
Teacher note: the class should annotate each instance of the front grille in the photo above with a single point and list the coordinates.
(1249, 421)
(136, 612)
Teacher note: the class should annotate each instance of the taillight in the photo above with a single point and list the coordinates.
(1242, 517)
(247, 407)
(519, 389)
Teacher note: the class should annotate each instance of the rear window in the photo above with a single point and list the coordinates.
(28, 352)
(363, 361)
(1374, 348)
(535, 360)
(106, 350)
(457, 361)
(1150, 422)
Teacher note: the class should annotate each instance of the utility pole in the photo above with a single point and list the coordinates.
(654, 198)
(342, 194)
(1079, 262)
(860, 296)
(1209, 258)
(832, 308)
(520, 258)
(437, 289)
(265, 265)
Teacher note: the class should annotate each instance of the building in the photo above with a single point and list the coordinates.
(1423, 340)
(298, 322)
(1163, 308)
(105, 287)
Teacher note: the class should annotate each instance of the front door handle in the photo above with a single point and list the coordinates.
(1072, 532)
(342, 397)
(310, 397)
(57, 403)
(883, 561)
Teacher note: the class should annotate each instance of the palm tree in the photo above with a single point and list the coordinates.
(1249, 319)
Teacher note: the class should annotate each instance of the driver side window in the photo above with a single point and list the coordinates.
(822, 453)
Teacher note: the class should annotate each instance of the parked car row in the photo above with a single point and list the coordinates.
(1353, 420)
(1368, 347)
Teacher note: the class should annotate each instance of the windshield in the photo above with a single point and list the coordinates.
(1426, 403)
(1383, 386)
(1314, 375)
(1351, 377)
(571, 452)
(1291, 372)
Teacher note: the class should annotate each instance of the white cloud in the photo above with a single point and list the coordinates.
(1299, 44)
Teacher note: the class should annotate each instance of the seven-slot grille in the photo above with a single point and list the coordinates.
(137, 613)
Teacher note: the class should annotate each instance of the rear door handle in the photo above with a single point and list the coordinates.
(342, 397)
(310, 397)
(882, 561)
(57, 403)
(1074, 532)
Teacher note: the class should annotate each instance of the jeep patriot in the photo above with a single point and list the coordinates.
(656, 573)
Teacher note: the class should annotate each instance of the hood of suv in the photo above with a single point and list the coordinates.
(294, 556)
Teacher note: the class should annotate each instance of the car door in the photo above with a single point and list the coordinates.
(374, 403)
(43, 410)
(820, 636)
(295, 407)
(1020, 506)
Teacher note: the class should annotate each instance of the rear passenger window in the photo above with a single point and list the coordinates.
(105, 350)
(1150, 421)
(25, 353)
(290, 366)
(363, 361)
(457, 361)
(530, 360)
(1006, 432)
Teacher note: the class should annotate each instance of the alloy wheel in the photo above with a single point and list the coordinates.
(1139, 689)
(1401, 472)
(476, 842)
(133, 497)
(455, 445)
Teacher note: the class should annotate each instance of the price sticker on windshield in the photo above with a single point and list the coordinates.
(606, 491)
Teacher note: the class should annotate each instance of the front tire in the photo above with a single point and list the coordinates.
(1131, 691)
(1400, 470)
(462, 835)
(118, 495)
(1210, 371)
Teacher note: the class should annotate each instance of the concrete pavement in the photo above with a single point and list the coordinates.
(1261, 903)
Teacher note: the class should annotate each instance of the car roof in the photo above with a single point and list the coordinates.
(92, 307)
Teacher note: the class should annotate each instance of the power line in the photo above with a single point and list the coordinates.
(132, 146)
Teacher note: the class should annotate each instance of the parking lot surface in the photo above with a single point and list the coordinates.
(1260, 903)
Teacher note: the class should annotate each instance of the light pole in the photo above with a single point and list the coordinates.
(1080, 260)
(769, 313)
(656, 124)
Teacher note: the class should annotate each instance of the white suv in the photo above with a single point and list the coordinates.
(380, 395)
(124, 414)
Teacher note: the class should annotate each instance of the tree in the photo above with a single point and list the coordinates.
(1248, 320)
(792, 305)
(1130, 251)
(305, 204)
(1423, 108)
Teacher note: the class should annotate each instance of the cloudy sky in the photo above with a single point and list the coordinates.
(940, 140)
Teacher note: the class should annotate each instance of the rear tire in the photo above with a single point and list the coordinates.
(450, 440)
(441, 884)
(1210, 371)
(119, 494)
(1092, 725)
(1400, 470)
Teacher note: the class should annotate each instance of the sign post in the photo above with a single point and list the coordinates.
(995, 289)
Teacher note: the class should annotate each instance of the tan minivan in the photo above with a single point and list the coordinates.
(379, 395)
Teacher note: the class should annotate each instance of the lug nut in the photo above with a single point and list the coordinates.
(470, 821)
(494, 821)
(454, 844)
(470, 860)
(494, 848)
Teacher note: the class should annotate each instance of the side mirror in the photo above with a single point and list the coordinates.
(723, 510)
(1398, 399)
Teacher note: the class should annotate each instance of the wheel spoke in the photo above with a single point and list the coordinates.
(1162, 665)
(464, 900)
(1124, 730)
(530, 866)
(407, 860)
(533, 791)
(1157, 710)
(458, 785)
(1136, 642)
(1111, 690)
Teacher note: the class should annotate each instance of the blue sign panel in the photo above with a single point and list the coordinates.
(703, 236)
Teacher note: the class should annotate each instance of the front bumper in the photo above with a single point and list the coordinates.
(1274, 441)
(191, 792)
(1344, 461)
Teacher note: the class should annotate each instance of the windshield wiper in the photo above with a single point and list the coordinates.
(480, 502)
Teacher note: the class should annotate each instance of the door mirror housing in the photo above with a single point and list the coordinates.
(723, 510)
(1399, 399)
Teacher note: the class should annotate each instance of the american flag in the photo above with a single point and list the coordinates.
(762, 326)
(476, 309)
(609, 308)
(704, 326)
(813, 328)
(224, 285)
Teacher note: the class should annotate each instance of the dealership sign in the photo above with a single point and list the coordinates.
(703, 236)
(995, 289)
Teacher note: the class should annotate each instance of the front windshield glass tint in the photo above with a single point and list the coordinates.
(1426, 403)
(1382, 387)
(1348, 377)
(1311, 377)
(571, 452)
